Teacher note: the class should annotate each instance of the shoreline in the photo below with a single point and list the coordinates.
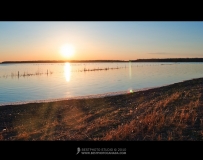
(102, 95)
(94, 61)
(171, 112)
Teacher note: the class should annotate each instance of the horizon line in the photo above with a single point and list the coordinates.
(135, 60)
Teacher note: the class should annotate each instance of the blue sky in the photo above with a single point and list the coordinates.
(122, 40)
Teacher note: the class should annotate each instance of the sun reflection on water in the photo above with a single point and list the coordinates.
(130, 71)
(67, 71)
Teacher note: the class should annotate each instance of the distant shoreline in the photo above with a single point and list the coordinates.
(93, 61)
(62, 61)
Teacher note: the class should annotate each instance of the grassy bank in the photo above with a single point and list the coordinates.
(173, 112)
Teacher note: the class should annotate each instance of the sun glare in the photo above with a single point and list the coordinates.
(67, 50)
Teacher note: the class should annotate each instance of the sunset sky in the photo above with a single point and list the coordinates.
(89, 40)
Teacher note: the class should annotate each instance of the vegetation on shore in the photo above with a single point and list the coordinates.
(63, 61)
(96, 61)
(169, 60)
(169, 113)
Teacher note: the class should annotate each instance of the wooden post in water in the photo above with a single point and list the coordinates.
(18, 74)
(47, 71)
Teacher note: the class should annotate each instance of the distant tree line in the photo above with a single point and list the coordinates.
(63, 61)
(89, 61)
(170, 60)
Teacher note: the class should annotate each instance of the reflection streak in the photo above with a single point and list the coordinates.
(67, 71)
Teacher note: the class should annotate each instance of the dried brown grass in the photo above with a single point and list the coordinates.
(164, 114)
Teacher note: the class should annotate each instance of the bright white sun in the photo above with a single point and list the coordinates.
(67, 50)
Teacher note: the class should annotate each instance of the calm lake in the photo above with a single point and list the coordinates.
(30, 82)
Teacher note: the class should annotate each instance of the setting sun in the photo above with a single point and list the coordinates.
(67, 50)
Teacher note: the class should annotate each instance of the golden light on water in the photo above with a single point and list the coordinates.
(130, 72)
(67, 71)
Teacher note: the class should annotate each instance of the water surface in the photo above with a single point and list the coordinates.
(46, 81)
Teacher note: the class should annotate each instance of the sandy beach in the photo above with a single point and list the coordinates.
(173, 112)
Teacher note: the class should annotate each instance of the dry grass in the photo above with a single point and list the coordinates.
(168, 113)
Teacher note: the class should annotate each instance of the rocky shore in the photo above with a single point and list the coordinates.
(173, 112)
